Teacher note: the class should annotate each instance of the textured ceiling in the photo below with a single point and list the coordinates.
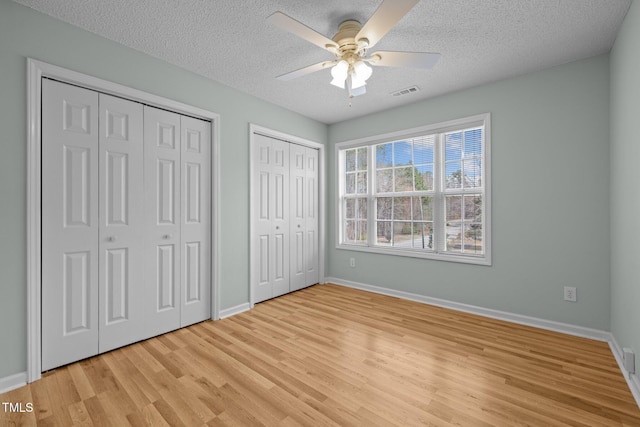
(229, 41)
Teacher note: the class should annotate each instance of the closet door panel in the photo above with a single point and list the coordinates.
(270, 239)
(261, 241)
(69, 224)
(297, 224)
(312, 275)
(122, 220)
(262, 233)
(196, 221)
(280, 246)
(162, 172)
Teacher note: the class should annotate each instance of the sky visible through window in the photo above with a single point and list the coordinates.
(462, 159)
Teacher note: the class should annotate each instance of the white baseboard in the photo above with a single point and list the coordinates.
(13, 382)
(232, 311)
(550, 325)
(632, 379)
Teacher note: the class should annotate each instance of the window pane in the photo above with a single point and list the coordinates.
(453, 208)
(384, 181)
(423, 150)
(472, 173)
(362, 232)
(350, 160)
(402, 153)
(350, 208)
(384, 206)
(404, 179)
(402, 208)
(472, 143)
(350, 184)
(402, 232)
(473, 238)
(384, 155)
(423, 235)
(355, 231)
(453, 175)
(473, 208)
(362, 208)
(453, 146)
(362, 183)
(454, 237)
(422, 209)
(362, 159)
(424, 178)
(384, 233)
(349, 231)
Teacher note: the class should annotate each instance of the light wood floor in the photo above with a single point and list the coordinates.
(328, 356)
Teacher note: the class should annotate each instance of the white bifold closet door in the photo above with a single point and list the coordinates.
(121, 295)
(303, 223)
(177, 174)
(285, 241)
(271, 232)
(69, 224)
(125, 222)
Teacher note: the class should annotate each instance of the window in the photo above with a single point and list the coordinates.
(421, 193)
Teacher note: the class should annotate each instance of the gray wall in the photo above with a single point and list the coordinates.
(26, 33)
(625, 191)
(550, 159)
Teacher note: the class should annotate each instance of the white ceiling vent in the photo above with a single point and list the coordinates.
(406, 91)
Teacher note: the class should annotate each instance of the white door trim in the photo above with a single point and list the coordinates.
(260, 130)
(36, 70)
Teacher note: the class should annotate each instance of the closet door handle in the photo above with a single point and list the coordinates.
(277, 227)
(166, 236)
(111, 238)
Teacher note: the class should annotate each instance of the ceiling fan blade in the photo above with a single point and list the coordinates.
(289, 24)
(306, 70)
(404, 59)
(385, 17)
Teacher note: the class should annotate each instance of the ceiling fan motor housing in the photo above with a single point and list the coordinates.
(346, 39)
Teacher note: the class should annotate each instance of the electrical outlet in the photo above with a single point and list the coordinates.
(570, 294)
(352, 262)
(629, 359)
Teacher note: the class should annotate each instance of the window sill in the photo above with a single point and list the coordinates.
(463, 259)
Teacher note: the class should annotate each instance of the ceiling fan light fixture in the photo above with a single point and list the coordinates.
(362, 71)
(359, 89)
(340, 72)
(338, 83)
(356, 82)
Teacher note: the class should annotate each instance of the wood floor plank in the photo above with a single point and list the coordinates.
(59, 411)
(147, 417)
(99, 417)
(79, 414)
(80, 381)
(124, 377)
(335, 356)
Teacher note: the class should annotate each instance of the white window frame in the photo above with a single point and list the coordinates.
(438, 253)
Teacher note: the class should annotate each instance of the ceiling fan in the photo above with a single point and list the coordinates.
(350, 47)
